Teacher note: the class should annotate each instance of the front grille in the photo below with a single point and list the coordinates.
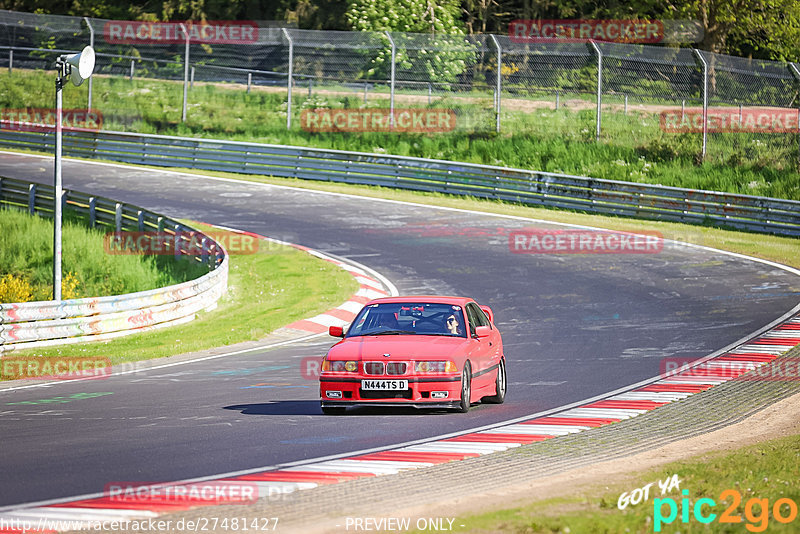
(379, 394)
(389, 368)
(373, 368)
(396, 368)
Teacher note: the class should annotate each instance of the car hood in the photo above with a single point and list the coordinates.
(400, 347)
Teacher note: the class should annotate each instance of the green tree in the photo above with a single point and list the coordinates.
(487, 16)
(440, 56)
(415, 16)
(766, 29)
(769, 29)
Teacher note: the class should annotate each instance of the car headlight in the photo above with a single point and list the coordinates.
(339, 366)
(435, 367)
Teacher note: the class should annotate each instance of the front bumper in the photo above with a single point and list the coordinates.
(432, 392)
(405, 404)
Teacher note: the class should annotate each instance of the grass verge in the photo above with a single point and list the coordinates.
(266, 290)
(633, 145)
(26, 252)
(766, 472)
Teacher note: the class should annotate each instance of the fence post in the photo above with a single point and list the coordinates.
(191, 78)
(177, 241)
(249, 81)
(704, 66)
(185, 72)
(498, 85)
(57, 187)
(391, 79)
(133, 62)
(596, 50)
(289, 79)
(91, 43)
(118, 217)
(32, 199)
(92, 212)
(796, 74)
(11, 60)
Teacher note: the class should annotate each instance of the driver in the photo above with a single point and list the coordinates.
(452, 325)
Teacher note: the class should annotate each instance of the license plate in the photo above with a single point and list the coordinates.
(386, 385)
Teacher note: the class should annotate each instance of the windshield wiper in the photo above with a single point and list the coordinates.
(390, 332)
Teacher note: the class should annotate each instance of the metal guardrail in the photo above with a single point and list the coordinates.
(745, 212)
(38, 324)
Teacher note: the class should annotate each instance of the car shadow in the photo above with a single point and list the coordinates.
(393, 410)
(291, 407)
(311, 407)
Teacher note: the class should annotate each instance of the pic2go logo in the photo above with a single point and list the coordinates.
(756, 511)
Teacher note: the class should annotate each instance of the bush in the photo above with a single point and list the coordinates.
(15, 289)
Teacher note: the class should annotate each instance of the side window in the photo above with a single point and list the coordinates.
(476, 318)
(473, 322)
(480, 317)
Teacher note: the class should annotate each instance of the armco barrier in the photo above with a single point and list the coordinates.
(38, 324)
(759, 214)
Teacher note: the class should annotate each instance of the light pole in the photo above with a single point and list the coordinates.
(84, 66)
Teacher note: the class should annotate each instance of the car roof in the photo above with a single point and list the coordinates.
(433, 299)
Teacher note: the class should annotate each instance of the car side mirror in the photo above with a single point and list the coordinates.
(483, 331)
(336, 331)
(488, 311)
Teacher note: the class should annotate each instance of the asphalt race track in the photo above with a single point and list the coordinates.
(574, 326)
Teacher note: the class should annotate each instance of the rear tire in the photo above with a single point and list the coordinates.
(500, 385)
(466, 388)
(333, 410)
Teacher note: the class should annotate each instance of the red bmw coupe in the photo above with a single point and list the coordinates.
(421, 351)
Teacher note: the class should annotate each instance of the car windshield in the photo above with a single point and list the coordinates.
(409, 318)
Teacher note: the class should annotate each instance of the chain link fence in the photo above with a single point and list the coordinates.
(666, 99)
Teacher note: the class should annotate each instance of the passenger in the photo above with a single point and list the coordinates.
(387, 320)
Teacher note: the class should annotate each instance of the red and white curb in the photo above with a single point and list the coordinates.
(728, 365)
(342, 315)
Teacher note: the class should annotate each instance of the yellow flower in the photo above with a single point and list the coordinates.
(14, 289)
(69, 286)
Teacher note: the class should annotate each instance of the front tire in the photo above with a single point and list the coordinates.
(500, 385)
(466, 388)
